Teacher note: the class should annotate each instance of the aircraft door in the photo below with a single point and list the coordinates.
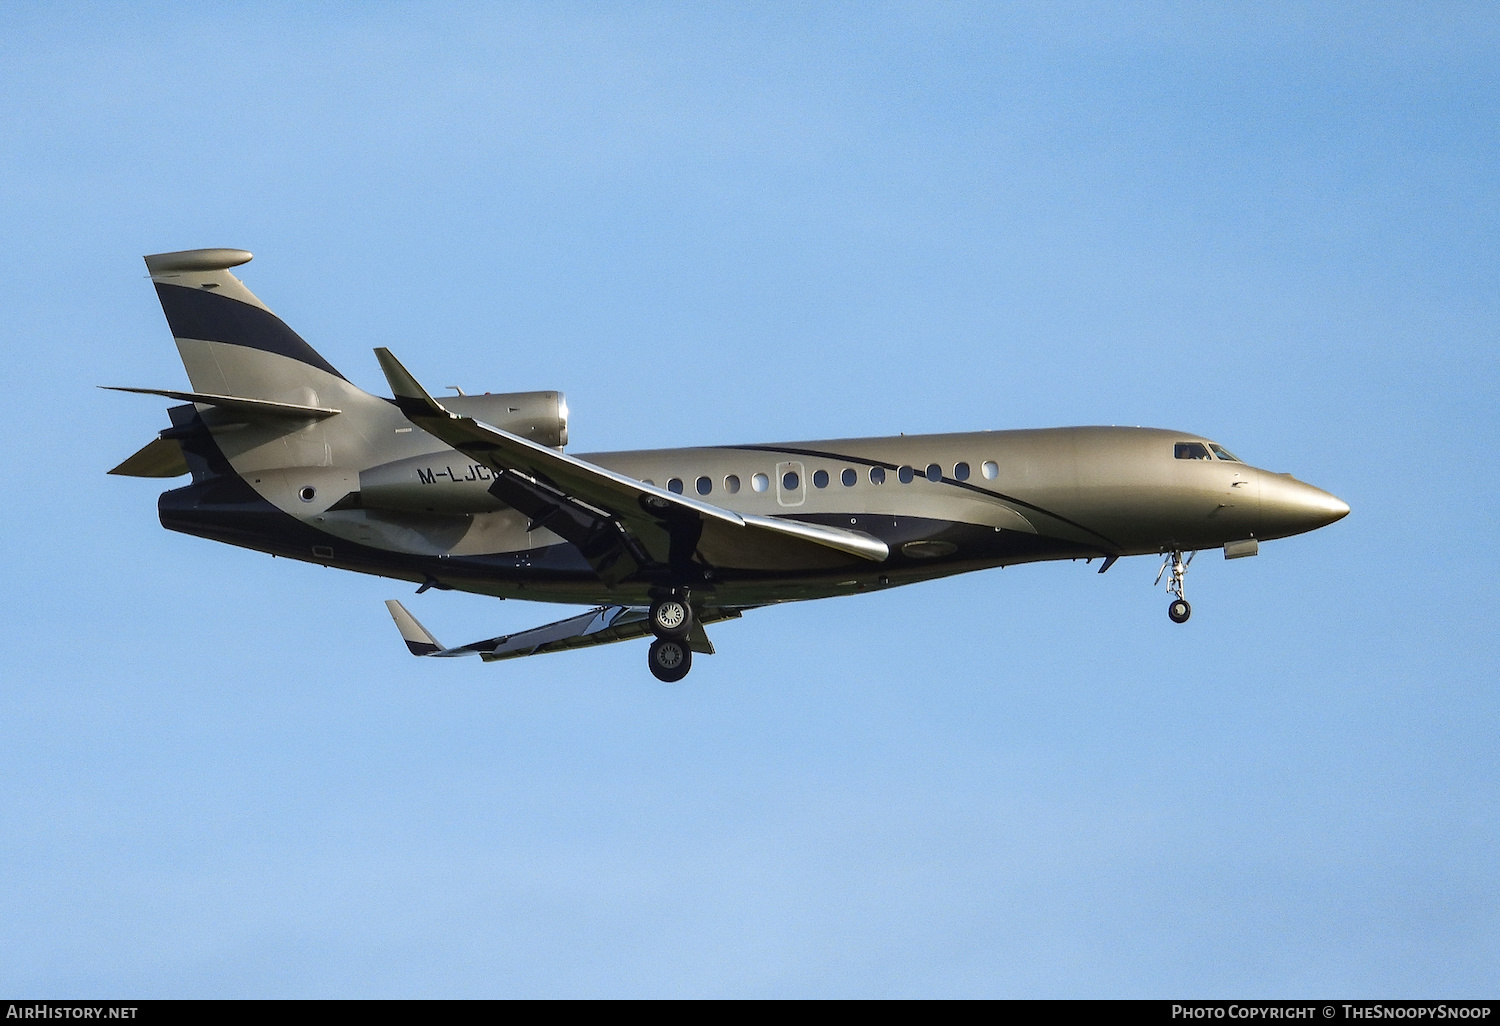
(791, 484)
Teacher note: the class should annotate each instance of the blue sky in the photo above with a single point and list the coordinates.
(1275, 225)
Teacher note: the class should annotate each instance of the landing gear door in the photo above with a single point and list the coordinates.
(791, 484)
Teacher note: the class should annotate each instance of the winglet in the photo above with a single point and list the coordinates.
(411, 397)
(414, 634)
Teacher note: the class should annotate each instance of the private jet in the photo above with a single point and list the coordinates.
(477, 493)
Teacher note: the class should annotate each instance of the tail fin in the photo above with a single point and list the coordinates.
(231, 343)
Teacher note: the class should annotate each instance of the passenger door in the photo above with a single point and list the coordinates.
(791, 484)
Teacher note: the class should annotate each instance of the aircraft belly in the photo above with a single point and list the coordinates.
(726, 546)
(227, 510)
(408, 533)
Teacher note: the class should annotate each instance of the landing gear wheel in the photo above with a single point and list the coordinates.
(670, 660)
(1178, 609)
(671, 618)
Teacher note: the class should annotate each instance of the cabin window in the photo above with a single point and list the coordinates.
(906, 474)
(760, 482)
(850, 476)
(991, 470)
(1223, 453)
(960, 471)
(704, 485)
(732, 484)
(647, 480)
(1190, 451)
(675, 485)
(820, 479)
(790, 481)
(934, 473)
(877, 475)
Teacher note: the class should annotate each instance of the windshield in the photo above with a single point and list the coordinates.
(1224, 454)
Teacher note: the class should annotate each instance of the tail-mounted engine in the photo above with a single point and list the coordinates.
(446, 481)
(541, 417)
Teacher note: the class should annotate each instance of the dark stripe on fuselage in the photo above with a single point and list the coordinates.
(946, 480)
(200, 314)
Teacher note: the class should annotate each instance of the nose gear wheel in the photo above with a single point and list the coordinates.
(1178, 609)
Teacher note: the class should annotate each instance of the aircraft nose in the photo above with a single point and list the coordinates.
(1289, 506)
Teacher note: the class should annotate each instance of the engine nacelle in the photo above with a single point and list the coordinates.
(447, 481)
(442, 482)
(541, 417)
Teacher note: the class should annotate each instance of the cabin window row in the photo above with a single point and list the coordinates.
(704, 485)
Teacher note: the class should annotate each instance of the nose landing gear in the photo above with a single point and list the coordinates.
(1178, 610)
(671, 620)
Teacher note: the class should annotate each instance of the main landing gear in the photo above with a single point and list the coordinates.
(1178, 609)
(671, 620)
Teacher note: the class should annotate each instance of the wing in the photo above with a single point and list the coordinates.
(596, 627)
(623, 526)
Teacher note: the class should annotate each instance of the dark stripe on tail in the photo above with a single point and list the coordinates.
(198, 313)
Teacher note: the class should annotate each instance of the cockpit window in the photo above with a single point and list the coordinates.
(1191, 451)
(1223, 453)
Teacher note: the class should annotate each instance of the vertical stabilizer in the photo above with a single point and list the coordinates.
(268, 399)
(231, 343)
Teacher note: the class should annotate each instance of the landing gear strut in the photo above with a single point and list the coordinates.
(1178, 610)
(671, 620)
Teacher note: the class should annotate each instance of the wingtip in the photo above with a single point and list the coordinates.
(403, 385)
(419, 641)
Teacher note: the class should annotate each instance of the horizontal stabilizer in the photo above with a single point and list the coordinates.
(161, 457)
(239, 404)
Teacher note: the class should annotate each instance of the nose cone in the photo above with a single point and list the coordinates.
(1289, 506)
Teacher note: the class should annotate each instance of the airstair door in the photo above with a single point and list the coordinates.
(791, 484)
